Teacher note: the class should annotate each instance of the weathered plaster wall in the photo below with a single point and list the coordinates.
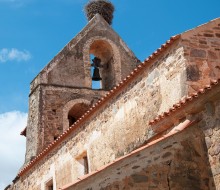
(48, 117)
(72, 66)
(211, 127)
(33, 120)
(54, 116)
(176, 162)
(202, 53)
(71, 70)
(179, 162)
(121, 125)
(125, 117)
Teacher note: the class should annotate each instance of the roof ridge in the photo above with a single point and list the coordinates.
(101, 101)
(184, 101)
(162, 48)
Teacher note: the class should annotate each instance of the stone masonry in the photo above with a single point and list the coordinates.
(188, 160)
(202, 53)
(179, 162)
(67, 77)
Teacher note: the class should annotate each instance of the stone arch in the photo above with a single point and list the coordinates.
(107, 51)
(74, 108)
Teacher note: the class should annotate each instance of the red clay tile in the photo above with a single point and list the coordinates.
(184, 101)
(111, 93)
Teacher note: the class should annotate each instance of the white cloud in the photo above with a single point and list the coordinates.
(14, 55)
(12, 145)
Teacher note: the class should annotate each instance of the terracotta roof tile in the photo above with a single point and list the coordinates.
(177, 129)
(104, 99)
(111, 94)
(185, 101)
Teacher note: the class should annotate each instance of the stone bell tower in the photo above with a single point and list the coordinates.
(64, 90)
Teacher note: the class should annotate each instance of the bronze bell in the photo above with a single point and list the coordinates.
(96, 64)
(96, 74)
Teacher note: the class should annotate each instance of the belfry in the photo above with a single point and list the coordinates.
(99, 119)
(63, 90)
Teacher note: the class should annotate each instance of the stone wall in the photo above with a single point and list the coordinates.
(71, 70)
(72, 65)
(121, 125)
(177, 163)
(48, 117)
(211, 127)
(202, 53)
(124, 117)
(54, 116)
(33, 120)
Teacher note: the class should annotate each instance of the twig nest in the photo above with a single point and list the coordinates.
(104, 7)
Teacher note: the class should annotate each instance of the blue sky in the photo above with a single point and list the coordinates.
(39, 29)
(32, 32)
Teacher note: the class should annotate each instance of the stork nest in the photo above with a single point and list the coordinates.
(104, 7)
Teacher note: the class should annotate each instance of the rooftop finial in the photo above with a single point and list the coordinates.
(104, 7)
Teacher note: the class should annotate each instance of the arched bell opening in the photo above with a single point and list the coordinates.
(76, 112)
(102, 64)
(73, 110)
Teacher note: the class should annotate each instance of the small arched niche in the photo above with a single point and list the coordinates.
(109, 68)
(76, 112)
(73, 110)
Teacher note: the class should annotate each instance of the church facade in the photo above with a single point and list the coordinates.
(150, 125)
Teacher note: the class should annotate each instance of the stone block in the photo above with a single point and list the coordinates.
(193, 73)
(212, 55)
(198, 53)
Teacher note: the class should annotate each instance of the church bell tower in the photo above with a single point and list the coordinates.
(91, 64)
